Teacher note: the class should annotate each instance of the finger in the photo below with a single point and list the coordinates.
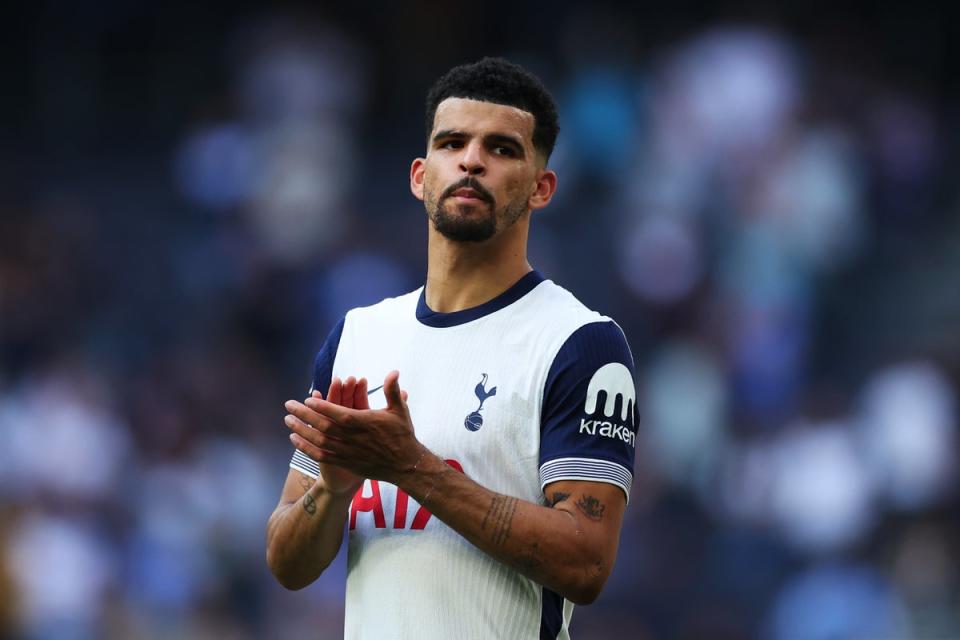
(334, 413)
(391, 389)
(404, 395)
(312, 451)
(316, 394)
(360, 400)
(310, 417)
(317, 454)
(317, 438)
(336, 386)
(346, 395)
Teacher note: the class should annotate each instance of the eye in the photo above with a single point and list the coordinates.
(502, 150)
(452, 144)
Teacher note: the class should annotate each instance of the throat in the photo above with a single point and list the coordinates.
(449, 292)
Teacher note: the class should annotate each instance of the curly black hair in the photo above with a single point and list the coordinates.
(502, 82)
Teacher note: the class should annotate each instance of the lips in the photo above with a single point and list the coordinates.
(468, 190)
(467, 193)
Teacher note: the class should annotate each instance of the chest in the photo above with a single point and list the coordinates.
(474, 397)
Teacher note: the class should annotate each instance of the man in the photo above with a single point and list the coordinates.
(486, 498)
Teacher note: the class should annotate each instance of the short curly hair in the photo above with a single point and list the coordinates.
(502, 82)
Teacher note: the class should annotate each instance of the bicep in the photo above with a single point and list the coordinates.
(597, 508)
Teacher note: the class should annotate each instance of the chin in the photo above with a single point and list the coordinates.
(469, 209)
(462, 231)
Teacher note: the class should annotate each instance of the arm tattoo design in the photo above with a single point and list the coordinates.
(309, 504)
(591, 507)
(557, 498)
(306, 482)
(500, 518)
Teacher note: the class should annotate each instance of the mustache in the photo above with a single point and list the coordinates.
(468, 183)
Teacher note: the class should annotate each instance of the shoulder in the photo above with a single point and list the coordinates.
(567, 313)
(387, 309)
(589, 348)
(572, 325)
(557, 298)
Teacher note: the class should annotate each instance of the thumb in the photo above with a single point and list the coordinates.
(391, 390)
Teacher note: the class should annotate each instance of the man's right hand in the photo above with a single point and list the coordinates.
(352, 394)
(306, 529)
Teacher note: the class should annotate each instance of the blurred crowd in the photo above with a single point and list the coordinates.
(195, 199)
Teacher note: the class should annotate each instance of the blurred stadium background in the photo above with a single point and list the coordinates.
(766, 199)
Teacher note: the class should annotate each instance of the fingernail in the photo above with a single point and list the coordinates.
(290, 405)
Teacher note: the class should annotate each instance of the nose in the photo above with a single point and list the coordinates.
(472, 161)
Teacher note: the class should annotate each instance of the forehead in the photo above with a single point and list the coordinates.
(480, 118)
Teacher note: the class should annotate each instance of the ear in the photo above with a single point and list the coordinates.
(417, 170)
(546, 187)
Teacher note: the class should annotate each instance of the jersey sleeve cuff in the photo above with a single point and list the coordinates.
(302, 463)
(590, 469)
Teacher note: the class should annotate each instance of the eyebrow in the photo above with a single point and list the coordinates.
(498, 138)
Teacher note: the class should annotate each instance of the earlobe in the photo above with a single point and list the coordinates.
(416, 177)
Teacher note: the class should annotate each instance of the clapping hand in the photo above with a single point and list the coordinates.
(350, 394)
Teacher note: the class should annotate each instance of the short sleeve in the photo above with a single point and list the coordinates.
(588, 426)
(322, 375)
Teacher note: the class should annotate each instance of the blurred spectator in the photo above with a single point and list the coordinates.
(909, 429)
(838, 601)
(194, 197)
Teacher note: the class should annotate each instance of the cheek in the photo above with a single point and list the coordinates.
(429, 184)
(518, 188)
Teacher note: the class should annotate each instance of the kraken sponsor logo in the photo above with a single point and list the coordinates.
(615, 381)
(609, 430)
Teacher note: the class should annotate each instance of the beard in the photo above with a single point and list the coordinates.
(464, 223)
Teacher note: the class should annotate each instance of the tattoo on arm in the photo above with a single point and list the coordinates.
(309, 504)
(306, 482)
(591, 507)
(557, 498)
(500, 518)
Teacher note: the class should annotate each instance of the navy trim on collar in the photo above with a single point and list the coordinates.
(432, 318)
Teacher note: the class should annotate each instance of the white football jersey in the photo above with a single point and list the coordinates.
(529, 388)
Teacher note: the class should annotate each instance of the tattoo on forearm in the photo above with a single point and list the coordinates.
(591, 507)
(500, 518)
(557, 498)
(309, 504)
(306, 482)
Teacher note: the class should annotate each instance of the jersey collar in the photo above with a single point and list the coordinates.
(520, 288)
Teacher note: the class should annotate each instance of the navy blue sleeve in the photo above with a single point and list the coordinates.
(323, 363)
(322, 374)
(588, 422)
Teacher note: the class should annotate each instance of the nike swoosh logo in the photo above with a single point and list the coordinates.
(373, 391)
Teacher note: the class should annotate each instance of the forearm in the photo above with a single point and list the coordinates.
(569, 548)
(545, 544)
(303, 537)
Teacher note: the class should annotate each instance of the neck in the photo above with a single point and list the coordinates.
(462, 275)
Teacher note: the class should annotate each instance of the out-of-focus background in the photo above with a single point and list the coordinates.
(766, 200)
